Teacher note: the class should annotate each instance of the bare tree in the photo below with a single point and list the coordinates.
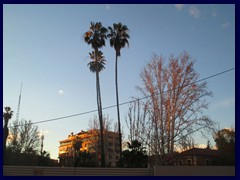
(24, 137)
(174, 104)
(110, 129)
(136, 122)
(186, 142)
(107, 124)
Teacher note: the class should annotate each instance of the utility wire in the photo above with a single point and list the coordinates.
(128, 102)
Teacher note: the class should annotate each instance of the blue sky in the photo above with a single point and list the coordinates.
(43, 47)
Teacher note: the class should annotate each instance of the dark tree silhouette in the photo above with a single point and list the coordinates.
(77, 144)
(25, 147)
(225, 142)
(7, 115)
(135, 156)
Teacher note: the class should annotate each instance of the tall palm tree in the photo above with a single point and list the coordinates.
(119, 36)
(7, 115)
(96, 38)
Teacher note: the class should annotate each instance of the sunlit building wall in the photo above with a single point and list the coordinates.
(90, 143)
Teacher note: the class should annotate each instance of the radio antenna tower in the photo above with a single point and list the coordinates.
(19, 102)
(42, 138)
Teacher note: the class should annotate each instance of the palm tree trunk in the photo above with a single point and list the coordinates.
(5, 133)
(99, 104)
(100, 121)
(118, 113)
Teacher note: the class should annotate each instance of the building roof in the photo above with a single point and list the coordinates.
(200, 152)
(65, 140)
(87, 133)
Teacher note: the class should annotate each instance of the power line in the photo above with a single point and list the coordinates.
(209, 77)
(127, 102)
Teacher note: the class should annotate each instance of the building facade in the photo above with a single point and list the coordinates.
(90, 144)
(197, 157)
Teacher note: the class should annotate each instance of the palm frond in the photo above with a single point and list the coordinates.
(119, 36)
(96, 35)
(98, 63)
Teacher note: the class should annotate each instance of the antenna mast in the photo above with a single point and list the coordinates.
(42, 138)
(19, 102)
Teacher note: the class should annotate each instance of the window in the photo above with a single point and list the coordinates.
(189, 162)
(110, 150)
(180, 162)
(207, 162)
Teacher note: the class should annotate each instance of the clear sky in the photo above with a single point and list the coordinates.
(43, 47)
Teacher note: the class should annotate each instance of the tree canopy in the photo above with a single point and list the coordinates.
(135, 156)
(225, 142)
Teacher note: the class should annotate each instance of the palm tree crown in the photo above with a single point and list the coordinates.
(7, 115)
(96, 35)
(118, 37)
(96, 65)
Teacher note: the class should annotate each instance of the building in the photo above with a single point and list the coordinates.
(90, 143)
(197, 157)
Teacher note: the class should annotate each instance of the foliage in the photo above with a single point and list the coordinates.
(135, 156)
(225, 142)
(26, 159)
(23, 145)
(96, 65)
(118, 35)
(85, 159)
(44, 159)
(77, 143)
(24, 137)
(96, 35)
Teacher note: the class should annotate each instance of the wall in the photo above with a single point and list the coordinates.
(71, 171)
(194, 171)
(156, 171)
